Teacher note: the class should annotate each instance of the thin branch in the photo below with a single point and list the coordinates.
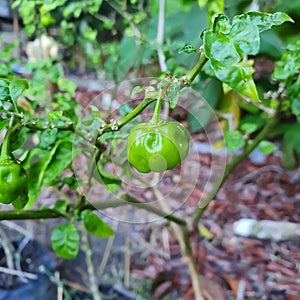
(47, 213)
(181, 233)
(86, 247)
(18, 273)
(189, 78)
(160, 36)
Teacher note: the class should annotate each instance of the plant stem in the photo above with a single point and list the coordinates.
(182, 236)
(189, 78)
(48, 213)
(156, 114)
(87, 249)
(138, 109)
(250, 147)
(5, 150)
(160, 36)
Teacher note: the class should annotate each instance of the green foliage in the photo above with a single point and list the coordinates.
(10, 90)
(234, 140)
(95, 225)
(287, 72)
(226, 43)
(64, 240)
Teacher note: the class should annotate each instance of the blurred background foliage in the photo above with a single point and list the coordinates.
(117, 39)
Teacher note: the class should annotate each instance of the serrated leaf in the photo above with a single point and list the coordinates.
(95, 225)
(266, 147)
(234, 140)
(263, 21)
(64, 240)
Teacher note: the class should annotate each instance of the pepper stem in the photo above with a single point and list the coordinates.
(5, 150)
(156, 114)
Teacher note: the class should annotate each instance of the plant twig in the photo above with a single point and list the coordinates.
(8, 250)
(86, 246)
(18, 273)
(189, 78)
(181, 233)
(48, 213)
(160, 36)
(106, 253)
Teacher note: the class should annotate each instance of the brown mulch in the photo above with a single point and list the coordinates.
(236, 267)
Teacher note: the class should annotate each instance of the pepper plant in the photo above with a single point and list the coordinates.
(154, 146)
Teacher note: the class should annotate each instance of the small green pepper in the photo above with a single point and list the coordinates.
(13, 177)
(157, 145)
(13, 180)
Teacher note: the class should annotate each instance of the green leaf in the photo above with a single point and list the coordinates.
(205, 232)
(66, 85)
(296, 107)
(172, 93)
(36, 173)
(48, 137)
(245, 38)
(220, 48)
(61, 159)
(285, 67)
(111, 181)
(10, 90)
(3, 123)
(234, 140)
(188, 48)
(60, 206)
(238, 77)
(125, 109)
(221, 24)
(95, 225)
(248, 127)
(54, 116)
(64, 240)
(266, 147)
(21, 201)
(263, 21)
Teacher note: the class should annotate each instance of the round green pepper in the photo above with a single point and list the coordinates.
(13, 177)
(157, 146)
(13, 180)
